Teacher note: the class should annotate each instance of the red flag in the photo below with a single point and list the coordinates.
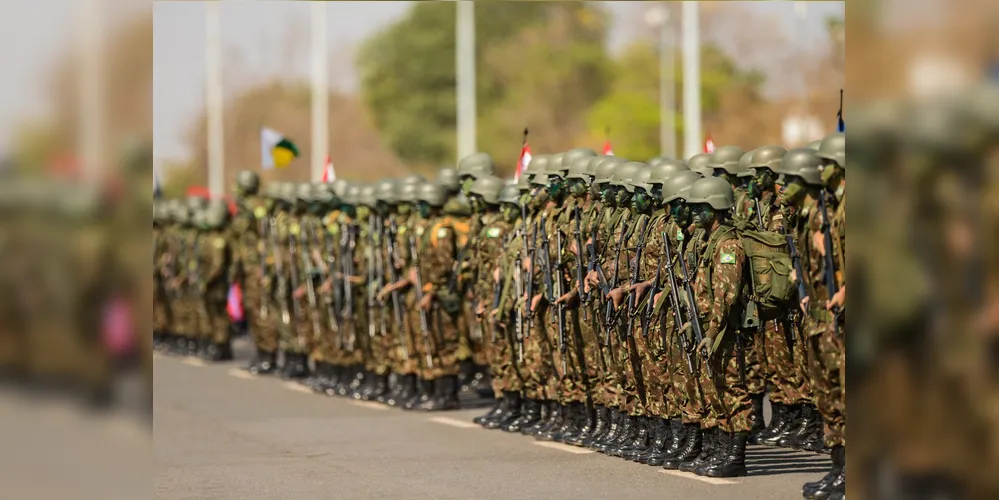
(329, 174)
(608, 150)
(235, 303)
(709, 145)
(525, 158)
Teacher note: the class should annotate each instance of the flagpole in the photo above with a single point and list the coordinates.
(691, 79)
(320, 90)
(91, 90)
(213, 91)
(465, 71)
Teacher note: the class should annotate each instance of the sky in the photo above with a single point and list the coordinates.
(261, 40)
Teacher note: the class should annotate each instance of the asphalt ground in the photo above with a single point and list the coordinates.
(221, 433)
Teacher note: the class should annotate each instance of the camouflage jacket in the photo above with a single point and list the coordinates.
(719, 282)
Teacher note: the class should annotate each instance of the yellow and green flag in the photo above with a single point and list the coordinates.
(276, 150)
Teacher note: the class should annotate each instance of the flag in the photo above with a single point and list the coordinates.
(234, 304)
(608, 150)
(275, 149)
(329, 174)
(709, 145)
(840, 124)
(525, 158)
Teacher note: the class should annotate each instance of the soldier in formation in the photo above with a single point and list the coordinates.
(644, 310)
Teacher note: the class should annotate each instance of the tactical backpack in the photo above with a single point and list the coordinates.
(770, 292)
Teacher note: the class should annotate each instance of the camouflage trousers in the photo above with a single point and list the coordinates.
(474, 342)
(185, 316)
(621, 371)
(260, 318)
(409, 364)
(656, 368)
(756, 361)
(214, 321)
(726, 396)
(566, 383)
(538, 370)
(502, 352)
(161, 313)
(826, 356)
(379, 336)
(594, 361)
(781, 372)
(444, 343)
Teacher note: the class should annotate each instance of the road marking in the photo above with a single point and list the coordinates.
(193, 362)
(371, 405)
(454, 422)
(295, 386)
(564, 447)
(243, 374)
(689, 475)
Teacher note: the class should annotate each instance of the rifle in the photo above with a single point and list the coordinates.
(695, 321)
(560, 309)
(650, 304)
(370, 254)
(394, 277)
(518, 284)
(674, 295)
(292, 250)
(262, 254)
(532, 251)
(632, 296)
(829, 263)
(310, 285)
(577, 233)
(379, 236)
(195, 278)
(332, 305)
(347, 264)
(609, 307)
(424, 324)
(282, 284)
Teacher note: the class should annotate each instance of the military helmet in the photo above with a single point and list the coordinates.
(322, 192)
(664, 168)
(540, 179)
(833, 148)
(368, 195)
(488, 187)
(655, 162)
(578, 169)
(768, 157)
(641, 179)
(678, 185)
(554, 166)
(606, 168)
(288, 192)
(196, 202)
(727, 158)
(406, 192)
(814, 145)
(804, 163)
(181, 214)
(745, 164)
(982, 104)
(537, 165)
(432, 193)
(385, 191)
(340, 187)
(412, 179)
(714, 191)
(198, 218)
(352, 195)
(303, 192)
(510, 194)
(626, 172)
(700, 163)
(476, 165)
(447, 178)
(248, 182)
(217, 214)
(573, 156)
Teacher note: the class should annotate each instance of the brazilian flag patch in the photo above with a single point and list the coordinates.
(494, 232)
(727, 258)
(679, 235)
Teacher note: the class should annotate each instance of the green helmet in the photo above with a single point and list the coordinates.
(385, 191)
(217, 214)
(606, 168)
(447, 178)
(432, 193)
(814, 145)
(768, 157)
(322, 192)
(804, 163)
(641, 179)
(510, 194)
(678, 185)
(540, 179)
(407, 192)
(727, 158)
(458, 205)
(367, 196)
(664, 168)
(182, 214)
(745, 164)
(287, 192)
(940, 126)
(476, 165)
(655, 162)
(340, 187)
(554, 166)
(489, 188)
(700, 163)
(412, 179)
(199, 218)
(833, 148)
(537, 165)
(196, 202)
(626, 172)
(303, 192)
(714, 191)
(573, 156)
(247, 182)
(578, 168)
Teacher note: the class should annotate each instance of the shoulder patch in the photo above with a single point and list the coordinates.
(259, 212)
(402, 229)
(443, 232)
(419, 231)
(494, 232)
(294, 229)
(219, 242)
(679, 235)
(727, 258)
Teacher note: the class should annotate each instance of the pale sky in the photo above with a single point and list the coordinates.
(261, 40)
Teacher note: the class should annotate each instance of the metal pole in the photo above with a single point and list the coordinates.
(465, 72)
(691, 79)
(213, 97)
(320, 91)
(667, 89)
(91, 91)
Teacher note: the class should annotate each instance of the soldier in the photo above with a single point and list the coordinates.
(310, 246)
(293, 325)
(216, 260)
(701, 163)
(351, 275)
(324, 237)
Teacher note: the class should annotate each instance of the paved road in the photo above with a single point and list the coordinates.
(223, 434)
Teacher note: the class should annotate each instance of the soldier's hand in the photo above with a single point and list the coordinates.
(496, 275)
(655, 299)
(326, 287)
(299, 292)
(535, 301)
(480, 310)
(591, 280)
(794, 276)
(355, 280)
(426, 301)
(616, 296)
(565, 298)
(819, 243)
(494, 313)
(387, 289)
(837, 300)
(640, 289)
(411, 275)
(804, 304)
(704, 348)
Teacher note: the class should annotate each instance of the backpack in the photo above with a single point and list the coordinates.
(770, 293)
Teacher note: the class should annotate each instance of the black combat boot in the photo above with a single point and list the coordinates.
(265, 363)
(424, 393)
(723, 441)
(496, 409)
(629, 429)
(193, 347)
(466, 372)
(158, 340)
(733, 463)
(578, 420)
(556, 415)
(379, 388)
(445, 395)
(407, 388)
(777, 420)
(613, 431)
(530, 413)
(659, 439)
(586, 421)
(480, 383)
(792, 420)
(759, 422)
(707, 451)
(834, 483)
(349, 385)
(631, 449)
(202, 350)
(672, 446)
(179, 346)
(810, 421)
(315, 381)
(391, 389)
(511, 411)
(690, 449)
(328, 384)
(547, 409)
(363, 384)
(599, 419)
(296, 367)
(218, 351)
